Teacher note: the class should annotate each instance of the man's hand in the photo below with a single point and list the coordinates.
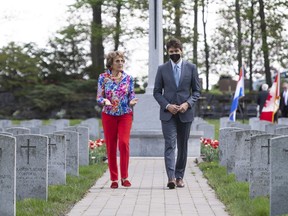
(183, 107)
(173, 108)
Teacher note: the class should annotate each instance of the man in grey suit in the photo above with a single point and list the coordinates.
(176, 89)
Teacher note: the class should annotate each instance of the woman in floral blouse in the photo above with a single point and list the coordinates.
(116, 95)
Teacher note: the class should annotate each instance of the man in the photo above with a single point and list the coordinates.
(262, 96)
(284, 100)
(176, 89)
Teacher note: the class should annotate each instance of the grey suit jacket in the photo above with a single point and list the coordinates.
(166, 91)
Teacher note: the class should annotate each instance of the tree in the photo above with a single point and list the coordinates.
(206, 47)
(19, 67)
(65, 56)
(239, 34)
(97, 48)
(250, 16)
(265, 48)
(195, 31)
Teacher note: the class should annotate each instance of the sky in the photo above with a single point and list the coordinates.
(31, 20)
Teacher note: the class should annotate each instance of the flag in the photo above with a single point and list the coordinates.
(272, 102)
(239, 92)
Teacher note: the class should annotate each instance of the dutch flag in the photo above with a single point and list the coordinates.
(238, 94)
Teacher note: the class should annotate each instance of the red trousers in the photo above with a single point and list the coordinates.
(117, 133)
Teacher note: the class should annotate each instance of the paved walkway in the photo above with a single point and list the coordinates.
(149, 195)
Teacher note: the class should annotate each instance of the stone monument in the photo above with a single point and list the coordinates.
(146, 135)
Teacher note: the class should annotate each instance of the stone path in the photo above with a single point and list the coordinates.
(149, 195)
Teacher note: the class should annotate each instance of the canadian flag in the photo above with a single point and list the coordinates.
(272, 102)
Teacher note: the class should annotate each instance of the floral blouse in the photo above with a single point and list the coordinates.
(119, 94)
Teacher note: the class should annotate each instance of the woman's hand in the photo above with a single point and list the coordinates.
(107, 102)
(133, 102)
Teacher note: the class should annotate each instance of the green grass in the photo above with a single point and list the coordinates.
(61, 198)
(234, 195)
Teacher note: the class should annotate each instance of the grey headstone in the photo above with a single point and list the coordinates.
(279, 176)
(270, 128)
(196, 122)
(283, 121)
(35, 130)
(32, 167)
(281, 131)
(83, 143)
(6, 133)
(56, 159)
(224, 140)
(259, 175)
(238, 125)
(252, 122)
(208, 129)
(60, 123)
(1, 129)
(18, 130)
(47, 129)
(5, 123)
(262, 124)
(223, 122)
(31, 123)
(238, 153)
(94, 128)
(7, 175)
(72, 151)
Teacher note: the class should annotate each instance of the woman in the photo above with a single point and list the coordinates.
(116, 95)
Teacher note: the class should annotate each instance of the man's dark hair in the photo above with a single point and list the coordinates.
(174, 42)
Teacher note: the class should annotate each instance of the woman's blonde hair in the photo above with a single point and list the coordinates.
(111, 56)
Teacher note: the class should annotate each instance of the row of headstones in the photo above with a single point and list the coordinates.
(199, 124)
(260, 158)
(36, 126)
(31, 162)
(255, 124)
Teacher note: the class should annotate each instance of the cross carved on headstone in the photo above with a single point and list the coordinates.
(285, 151)
(28, 149)
(49, 147)
(268, 150)
(67, 140)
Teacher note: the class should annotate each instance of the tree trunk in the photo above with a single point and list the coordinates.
(177, 4)
(239, 34)
(251, 48)
(206, 47)
(264, 43)
(195, 33)
(97, 49)
(118, 27)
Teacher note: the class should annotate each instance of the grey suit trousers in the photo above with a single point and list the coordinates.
(176, 133)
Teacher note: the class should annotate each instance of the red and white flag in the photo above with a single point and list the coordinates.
(272, 102)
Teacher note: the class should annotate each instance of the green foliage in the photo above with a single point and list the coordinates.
(46, 97)
(18, 66)
(62, 197)
(81, 86)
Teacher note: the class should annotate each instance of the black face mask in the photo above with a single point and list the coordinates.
(174, 57)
